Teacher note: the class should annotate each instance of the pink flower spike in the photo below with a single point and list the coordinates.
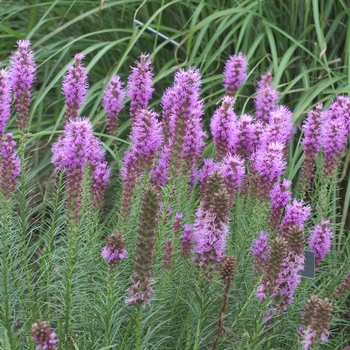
(235, 72)
(5, 99)
(320, 240)
(23, 69)
(74, 87)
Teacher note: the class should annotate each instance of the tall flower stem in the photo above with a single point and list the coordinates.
(72, 232)
(138, 327)
(5, 229)
(109, 304)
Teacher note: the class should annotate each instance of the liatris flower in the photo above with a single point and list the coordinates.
(233, 172)
(222, 126)
(115, 250)
(177, 224)
(113, 99)
(334, 141)
(312, 129)
(43, 336)
(344, 288)
(273, 269)
(267, 166)
(320, 240)
(167, 255)
(146, 138)
(260, 249)
(235, 72)
(5, 99)
(23, 69)
(76, 148)
(228, 268)
(279, 128)
(280, 196)
(243, 136)
(187, 241)
(296, 214)
(208, 167)
(168, 104)
(74, 87)
(316, 318)
(266, 98)
(140, 85)
(292, 265)
(10, 166)
(186, 145)
(211, 224)
(141, 290)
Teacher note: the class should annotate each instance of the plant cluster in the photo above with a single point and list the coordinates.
(201, 252)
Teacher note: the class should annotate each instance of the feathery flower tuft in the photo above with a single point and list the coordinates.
(140, 85)
(75, 149)
(296, 215)
(74, 87)
(260, 249)
(5, 99)
(235, 72)
(266, 98)
(280, 196)
(211, 224)
(334, 139)
(23, 69)
(273, 269)
(115, 250)
(43, 336)
(146, 138)
(320, 240)
(312, 129)
(222, 126)
(187, 241)
(316, 318)
(113, 99)
(141, 291)
(279, 128)
(10, 166)
(267, 166)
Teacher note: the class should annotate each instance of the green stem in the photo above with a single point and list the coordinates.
(5, 225)
(109, 306)
(138, 327)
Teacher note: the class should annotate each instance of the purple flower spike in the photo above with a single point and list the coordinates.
(115, 250)
(335, 135)
(233, 172)
(235, 72)
(146, 138)
(222, 126)
(246, 136)
(260, 249)
(10, 167)
(187, 241)
(5, 99)
(296, 214)
(312, 129)
(23, 68)
(140, 85)
(280, 196)
(266, 98)
(267, 167)
(75, 87)
(320, 240)
(280, 127)
(43, 336)
(113, 99)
